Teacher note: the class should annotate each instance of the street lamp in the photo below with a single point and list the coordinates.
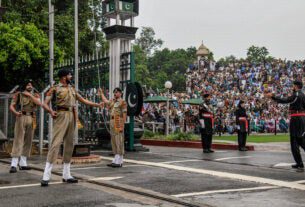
(168, 85)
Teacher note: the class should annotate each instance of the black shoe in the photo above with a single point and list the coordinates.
(206, 151)
(211, 151)
(298, 166)
(44, 183)
(114, 165)
(24, 168)
(110, 165)
(117, 165)
(70, 180)
(13, 170)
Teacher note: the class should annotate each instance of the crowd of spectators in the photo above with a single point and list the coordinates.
(238, 80)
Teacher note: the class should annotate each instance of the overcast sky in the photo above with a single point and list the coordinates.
(228, 26)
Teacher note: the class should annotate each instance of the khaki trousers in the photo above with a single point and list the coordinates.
(24, 133)
(117, 140)
(63, 131)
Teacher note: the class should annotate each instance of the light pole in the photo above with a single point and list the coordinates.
(51, 63)
(76, 61)
(168, 85)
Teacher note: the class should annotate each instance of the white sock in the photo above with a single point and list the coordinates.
(22, 161)
(121, 160)
(66, 174)
(14, 162)
(116, 159)
(47, 172)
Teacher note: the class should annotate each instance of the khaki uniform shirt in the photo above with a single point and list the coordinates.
(25, 103)
(66, 96)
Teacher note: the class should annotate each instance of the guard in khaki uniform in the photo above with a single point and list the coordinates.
(118, 115)
(23, 106)
(64, 115)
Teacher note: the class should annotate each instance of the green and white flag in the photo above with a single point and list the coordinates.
(126, 6)
(110, 6)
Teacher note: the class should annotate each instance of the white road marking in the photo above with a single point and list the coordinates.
(88, 168)
(27, 185)
(180, 161)
(300, 181)
(229, 158)
(283, 164)
(224, 191)
(106, 178)
(235, 176)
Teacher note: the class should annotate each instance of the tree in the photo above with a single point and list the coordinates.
(171, 65)
(36, 12)
(257, 54)
(24, 53)
(143, 75)
(147, 41)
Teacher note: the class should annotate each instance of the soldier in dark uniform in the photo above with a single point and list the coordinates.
(297, 122)
(241, 125)
(206, 118)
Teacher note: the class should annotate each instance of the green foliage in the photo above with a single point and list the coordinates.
(257, 54)
(26, 28)
(36, 12)
(225, 61)
(24, 51)
(257, 138)
(171, 65)
(154, 67)
(148, 134)
(147, 41)
(180, 136)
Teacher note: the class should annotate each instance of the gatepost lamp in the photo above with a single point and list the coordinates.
(168, 85)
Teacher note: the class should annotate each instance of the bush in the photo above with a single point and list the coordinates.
(180, 136)
(148, 134)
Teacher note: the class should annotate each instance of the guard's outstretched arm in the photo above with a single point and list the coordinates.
(87, 102)
(286, 100)
(104, 99)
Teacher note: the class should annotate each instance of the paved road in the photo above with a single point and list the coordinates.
(224, 178)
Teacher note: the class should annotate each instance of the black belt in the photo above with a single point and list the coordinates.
(62, 108)
(27, 113)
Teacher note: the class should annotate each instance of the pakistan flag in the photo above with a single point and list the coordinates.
(126, 6)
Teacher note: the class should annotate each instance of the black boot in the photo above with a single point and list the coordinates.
(24, 168)
(205, 151)
(70, 180)
(298, 166)
(44, 183)
(13, 170)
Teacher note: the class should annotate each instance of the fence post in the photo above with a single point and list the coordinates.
(6, 116)
(41, 125)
